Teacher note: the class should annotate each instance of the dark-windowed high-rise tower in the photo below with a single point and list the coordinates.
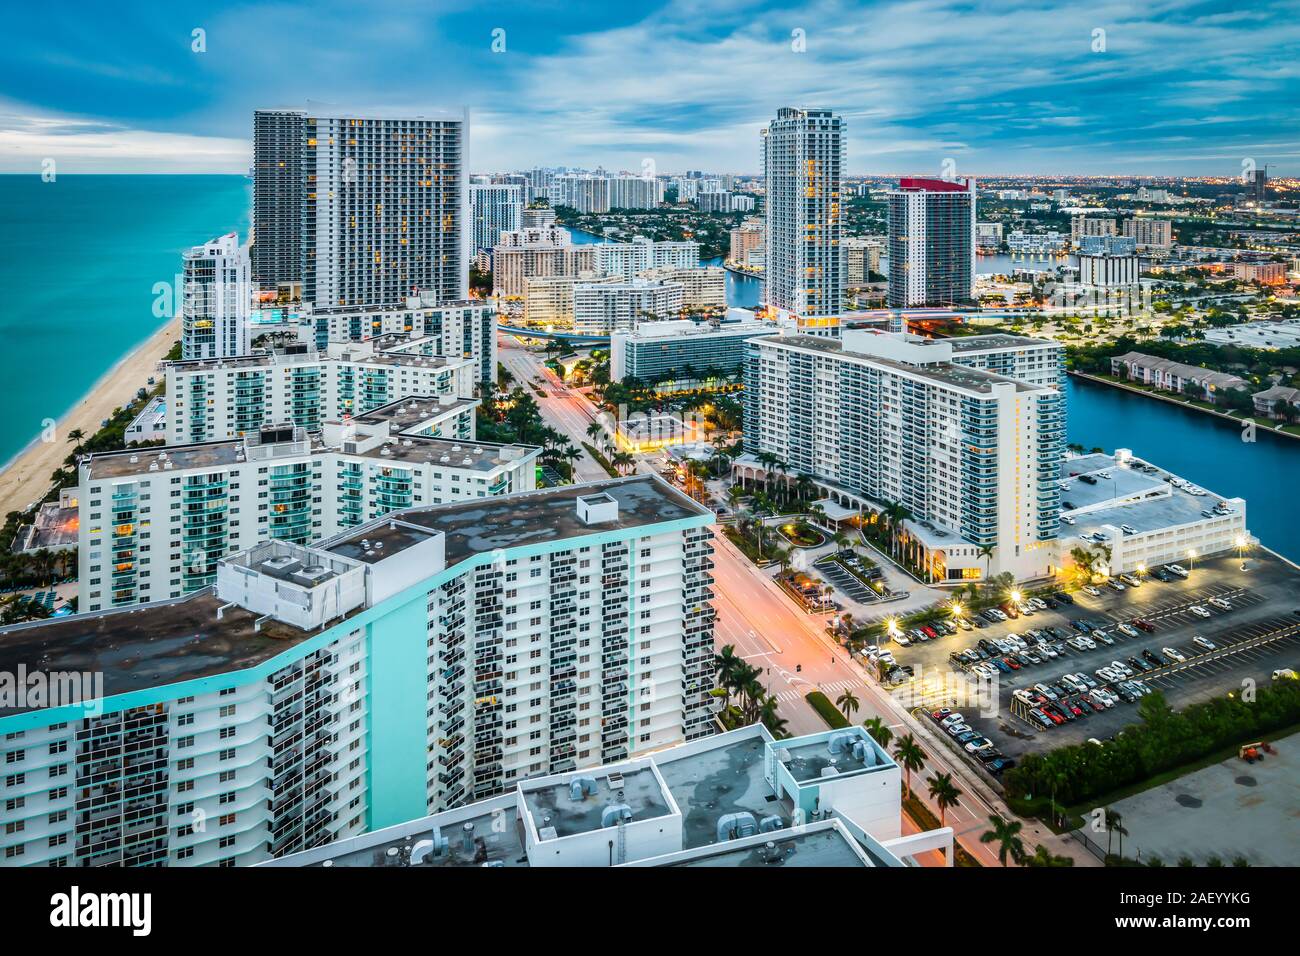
(931, 242)
(382, 204)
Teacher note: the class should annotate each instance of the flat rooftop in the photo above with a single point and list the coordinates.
(148, 645)
(412, 410)
(476, 841)
(382, 541)
(553, 805)
(1154, 503)
(959, 376)
(483, 525)
(713, 783)
(141, 461)
(820, 847)
(996, 340)
(808, 761)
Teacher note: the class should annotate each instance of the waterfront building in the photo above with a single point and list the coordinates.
(1170, 376)
(680, 352)
(744, 239)
(150, 425)
(703, 287)
(412, 664)
(988, 236)
(583, 192)
(494, 209)
(931, 242)
(155, 522)
(1106, 245)
(803, 162)
(1267, 335)
(736, 799)
(627, 259)
(1082, 226)
(1143, 515)
(305, 386)
(216, 299)
(1273, 399)
(382, 205)
(537, 217)
(1036, 243)
(600, 308)
(878, 417)
(1150, 235)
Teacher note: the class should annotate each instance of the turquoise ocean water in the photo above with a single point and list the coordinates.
(79, 258)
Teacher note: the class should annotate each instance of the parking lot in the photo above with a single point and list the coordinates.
(845, 581)
(1259, 634)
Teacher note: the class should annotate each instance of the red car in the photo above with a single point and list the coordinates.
(934, 635)
(1143, 624)
(1012, 663)
(941, 713)
(1054, 717)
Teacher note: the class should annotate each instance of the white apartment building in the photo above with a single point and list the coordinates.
(154, 522)
(548, 300)
(494, 209)
(635, 192)
(703, 287)
(464, 329)
(583, 192)
(1109, 272)
(877, 417)
(1081, 226)
(803, 160)
(600, 308)
(415, 663)
(216, 298)
(626, 259)
(303, 386)
(542, 251)
(861, 258)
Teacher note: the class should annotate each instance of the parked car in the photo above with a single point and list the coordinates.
(1091, 590)
(1114, 585)
(1221, 603)
(1176, 569)
(1103, 637)
(1063, 597)
(1142, 624)
(1173, 655)
(1127, 629)
(1000, 765)
(1199, 611)
(1205, 642)
(1154, 659)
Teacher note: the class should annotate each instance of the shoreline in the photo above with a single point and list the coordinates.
(25, 478)
(1262, 425)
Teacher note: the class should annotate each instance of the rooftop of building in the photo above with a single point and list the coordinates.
(1144, 500)
(816, 846)
(357, 352)
(413, 410)
(484, 525)
(553, 805)
(944, 373)
(998, 340)
(147, 645)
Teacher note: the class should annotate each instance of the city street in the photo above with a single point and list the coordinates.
(794, 650)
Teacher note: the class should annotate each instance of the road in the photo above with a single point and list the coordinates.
(797, 655)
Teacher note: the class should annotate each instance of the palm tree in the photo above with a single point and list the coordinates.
(734, 494)
(1006, 834)
(878, 732)
(986, 552)
(621, 461)
(727, 664)
(945, 794)
(596, 433)
(910, 757)
(773, 721)
(848, 703)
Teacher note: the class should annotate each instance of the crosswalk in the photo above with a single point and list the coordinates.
(831, 690)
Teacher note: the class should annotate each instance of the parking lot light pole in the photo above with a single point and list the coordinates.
(1191, 559)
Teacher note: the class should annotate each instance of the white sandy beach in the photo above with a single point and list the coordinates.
(26, 479)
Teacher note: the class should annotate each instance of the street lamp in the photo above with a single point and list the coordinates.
(957, 609)
(1241, 543)
(1141, 571)
(1014, 595)
(1191, 558)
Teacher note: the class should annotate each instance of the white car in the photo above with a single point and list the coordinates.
(1128, 629)
(1122, 669)
(997, 613)
(1173, 655)
(950, 720)
(902, 640)
(1091, 590)
(955, 729)
(1106, 674)
(1038, 603)
(1221, 603)
(1199, 611)
(1048, 649)
(1205, 642)
(1177, 569)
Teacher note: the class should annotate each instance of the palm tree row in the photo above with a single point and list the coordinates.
(740, 679)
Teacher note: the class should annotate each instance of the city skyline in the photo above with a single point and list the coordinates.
(1181, 90)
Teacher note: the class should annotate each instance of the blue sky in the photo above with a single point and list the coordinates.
(1171, 87)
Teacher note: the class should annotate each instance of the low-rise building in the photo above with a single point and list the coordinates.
(154, 522)
(1170, 376)
(703, 287)
(1278, 401)
(600, 308)
(150, 424)
(680, 354)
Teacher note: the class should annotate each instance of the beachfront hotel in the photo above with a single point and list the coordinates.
(878, 417)
(215, 299)
(803, 160)
(736, 799)
(362, 209)
(412, 664)
(153, 522)
(306, 386)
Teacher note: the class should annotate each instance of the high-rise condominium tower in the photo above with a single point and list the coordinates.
(383, 211)
(803, 158)
(215, 299)
(494, 209)
(931, 242)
